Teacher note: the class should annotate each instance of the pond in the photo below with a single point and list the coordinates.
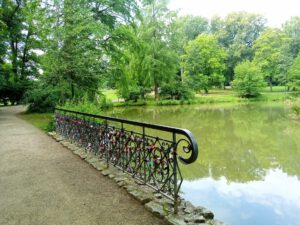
(248, 170)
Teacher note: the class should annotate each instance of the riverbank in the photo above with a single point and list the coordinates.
(43, 120)
(215, 96)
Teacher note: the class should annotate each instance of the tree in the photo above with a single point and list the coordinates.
(204, 63)
(294, 74)
(292, 29)
(189, 27)
(72, 49)
(80, 39)
(150, 61)
(18, 42)
(272, 55)
(248, 79)
(216, 25)
(237, 33)
(185, 29)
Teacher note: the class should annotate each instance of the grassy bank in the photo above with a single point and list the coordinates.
(43, 121)
(216, 96)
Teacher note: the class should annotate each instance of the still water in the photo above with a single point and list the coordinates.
(248, 170)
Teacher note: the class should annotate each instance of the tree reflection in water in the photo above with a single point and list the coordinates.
(249, 157)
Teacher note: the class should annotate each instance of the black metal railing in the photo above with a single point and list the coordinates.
(147, 157)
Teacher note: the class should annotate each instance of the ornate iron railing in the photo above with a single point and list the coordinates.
(149, 158)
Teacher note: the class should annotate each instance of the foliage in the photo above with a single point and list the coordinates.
(105, 103)
(296, 109)
(176, 90)
(248, 79)
(204, 63)
(292, 29)
(18, 60)
(148, 61)
(11, 91)
(191, 26)
(71, 49)
(294, 74)
(237, 33)
(271, 54)
(42, 98)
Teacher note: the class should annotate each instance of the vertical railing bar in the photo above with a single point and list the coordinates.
(175, 174)
(107, 144)
(144, 154)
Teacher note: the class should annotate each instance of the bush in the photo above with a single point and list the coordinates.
(42, 99)
(176, 90)
(133, 92)
(295, 107)
(51, 126)
(105, 103)
(248, 79)
(13, 92)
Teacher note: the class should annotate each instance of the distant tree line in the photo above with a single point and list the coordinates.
(53, 51)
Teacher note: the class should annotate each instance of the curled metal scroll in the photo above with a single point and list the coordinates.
(190, 146)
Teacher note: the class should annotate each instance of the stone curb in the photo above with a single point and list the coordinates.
(154, 202)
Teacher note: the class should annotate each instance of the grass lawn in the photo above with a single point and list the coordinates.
(275, 89)
(40, 120)
(214, 96)
(110, 94)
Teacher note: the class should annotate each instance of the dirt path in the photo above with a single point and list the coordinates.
(43, 183)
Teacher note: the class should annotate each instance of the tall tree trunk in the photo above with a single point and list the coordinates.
(72, 90)
(14, 52)
(156, 92)
(206, 91)
(24, 55)
(181, 74)
(271, 84)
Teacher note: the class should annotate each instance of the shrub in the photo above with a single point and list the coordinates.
(176, 90)
(295, 107)
(51, 126)
(105, 103)
(248, 79)
(42, 99)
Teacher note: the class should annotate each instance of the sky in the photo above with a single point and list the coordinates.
(275, 11)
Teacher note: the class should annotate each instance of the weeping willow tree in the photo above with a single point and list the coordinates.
(150, 62)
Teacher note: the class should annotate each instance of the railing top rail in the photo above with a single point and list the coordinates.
(185, 132)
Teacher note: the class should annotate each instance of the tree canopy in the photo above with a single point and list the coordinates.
(248, 79)
(53, 51)
(204, 63)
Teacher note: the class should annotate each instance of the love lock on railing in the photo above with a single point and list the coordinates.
(149, 158)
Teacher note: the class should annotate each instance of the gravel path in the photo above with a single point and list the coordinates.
(43, 183)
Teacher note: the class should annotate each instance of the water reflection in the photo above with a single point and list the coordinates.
(256, 202)
(248, 169)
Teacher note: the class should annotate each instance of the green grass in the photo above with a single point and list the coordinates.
(275, 89)
(215, 96)
(110, 94)
(42, 121)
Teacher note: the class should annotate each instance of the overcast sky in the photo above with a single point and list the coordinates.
(276, 11)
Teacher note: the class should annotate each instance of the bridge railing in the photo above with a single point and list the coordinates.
(152, 159)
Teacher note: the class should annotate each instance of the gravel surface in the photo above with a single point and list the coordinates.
(41, 182)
